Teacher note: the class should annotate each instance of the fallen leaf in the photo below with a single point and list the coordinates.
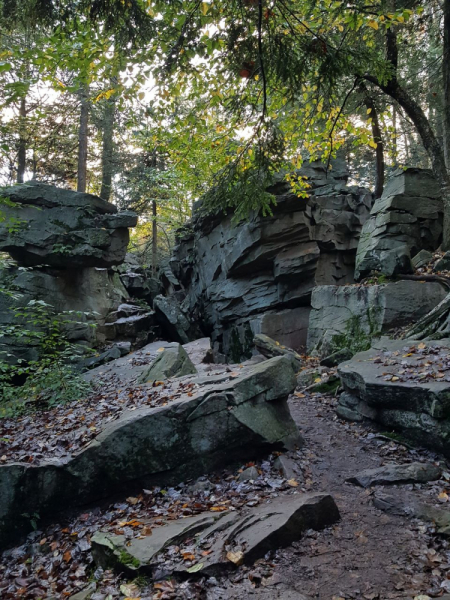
(236, 558)
(132, 500)
(195, 568)
(67, 556)
(292, 483)
(130, 589)
(299, 395)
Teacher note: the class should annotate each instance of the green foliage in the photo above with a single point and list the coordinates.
(50, 378)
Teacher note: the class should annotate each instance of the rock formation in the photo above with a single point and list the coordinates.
(352, 315)
(403, 385)
(69, 243)
(257, 276)
(406, 219)
(234, 417)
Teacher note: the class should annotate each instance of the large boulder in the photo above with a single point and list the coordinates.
(406, 219)
(257, 276)
(45, 225)
(239, 416)
(174, 322)
(403, 385)
(351, 316)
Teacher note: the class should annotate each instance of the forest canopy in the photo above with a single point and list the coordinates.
(156, 104)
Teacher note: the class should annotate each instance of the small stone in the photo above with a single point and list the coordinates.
(421, 259)
(249, 474)
(336, 358)
(85, 594)
(287, 467)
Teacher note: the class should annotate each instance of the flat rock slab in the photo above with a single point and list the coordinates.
(413, 508)
(392, 474)
(232, 538)
(404, 385)
(222, 422)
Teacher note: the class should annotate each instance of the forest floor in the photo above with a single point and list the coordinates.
(367, 555)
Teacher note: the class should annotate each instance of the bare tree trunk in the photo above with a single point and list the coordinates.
(394, 124)
(415, 112)
(83, 140)
(377, 137)
(154, 238)
(446, 81)
(108, 146)
(22, 150)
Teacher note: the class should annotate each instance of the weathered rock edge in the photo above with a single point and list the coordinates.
(220, 423)
(254, 532)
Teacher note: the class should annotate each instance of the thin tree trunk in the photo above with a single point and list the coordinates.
(108, 146)
(378, 139)
(394, 143)
(154, 238)
(22, 151)
(446, 81)
(83, 140)
(415, 112)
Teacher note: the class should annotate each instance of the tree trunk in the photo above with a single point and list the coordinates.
(83, 140)
(108, 146)
(22, 150)
(446, 81)
(415, 112)
(377, 137)
(154, 239)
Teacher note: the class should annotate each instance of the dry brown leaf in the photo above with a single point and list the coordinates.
(292, 483)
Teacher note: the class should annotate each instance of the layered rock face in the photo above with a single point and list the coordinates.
(403, 385)
(257, 276)
(406, 219)
(46, 225)
(351, 315)
(68, 242)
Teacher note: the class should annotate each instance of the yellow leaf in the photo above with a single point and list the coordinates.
(422, 346)
(236, 558)
(317, 380)
(373, 24)
(369, 110)
(292, 483)
(373, 144)
(205, 7)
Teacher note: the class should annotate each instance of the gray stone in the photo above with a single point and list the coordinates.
(85, 594)
(248, 474)
(395, 474)
(411, 507)
(220, 423)
(421, 259)
(257, 276)
(443, 264)
(174, 322)
(405, 220)
(100, 359)
(171, 362)
(351, 316)
(270, 348)
(336, 358)
(287, 467)
(92, 295)
(233, 538)
(418, 409)
(62, 228)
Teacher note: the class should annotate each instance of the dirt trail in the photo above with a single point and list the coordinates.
(368, 555)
